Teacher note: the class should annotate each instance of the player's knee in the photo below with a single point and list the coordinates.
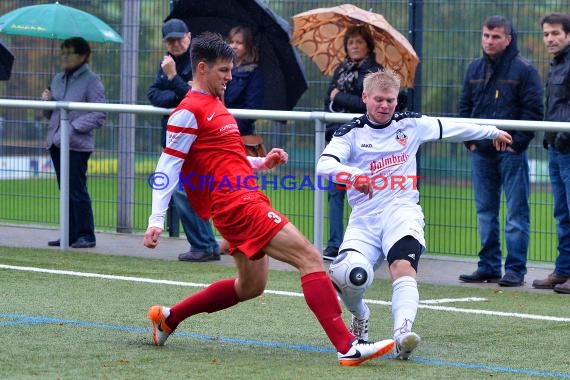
(351, 273)
(250, 289)
(406, 252)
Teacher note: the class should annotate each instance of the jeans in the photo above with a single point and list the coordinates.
(559, 170)
(491, 173)
(81, 222)
(336, 216)
(198, 231)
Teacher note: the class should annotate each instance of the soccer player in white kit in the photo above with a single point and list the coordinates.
(375, 156)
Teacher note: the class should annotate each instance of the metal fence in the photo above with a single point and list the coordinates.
(446, 35)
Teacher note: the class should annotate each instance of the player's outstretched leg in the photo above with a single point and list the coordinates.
(160, 331)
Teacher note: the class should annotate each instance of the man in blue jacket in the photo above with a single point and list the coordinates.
(173, 81)
(501, 85)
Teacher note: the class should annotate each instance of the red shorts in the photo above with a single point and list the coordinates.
(247, 222)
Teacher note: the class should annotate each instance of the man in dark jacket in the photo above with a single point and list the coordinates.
(501, 85)
(173, 81)
(556, 37)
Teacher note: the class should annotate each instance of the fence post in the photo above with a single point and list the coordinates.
(64, 130)
(318, 213)
(415, 36)
(127, 121)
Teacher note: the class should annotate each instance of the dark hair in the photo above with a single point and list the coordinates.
(252, 55)
(79, 46)
(359, 30)
(209, 47)
(557, 18)
(498, 21)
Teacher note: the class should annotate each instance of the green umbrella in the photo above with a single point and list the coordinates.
(56, 21)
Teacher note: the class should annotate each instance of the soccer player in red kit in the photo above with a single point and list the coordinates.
(205, 153)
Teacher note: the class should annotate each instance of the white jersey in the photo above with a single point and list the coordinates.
(386, 155)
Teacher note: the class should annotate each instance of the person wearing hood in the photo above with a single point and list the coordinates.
(501, 85)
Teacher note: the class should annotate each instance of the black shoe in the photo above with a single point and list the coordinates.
(83, 242)
(479, 277)
(330, 253)
(511, 279)
(199, 256)
(56, 243)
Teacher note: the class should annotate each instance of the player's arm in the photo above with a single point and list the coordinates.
(437, 129)
(332, 165)
(164, 182)
(181, 132)
(275, 157)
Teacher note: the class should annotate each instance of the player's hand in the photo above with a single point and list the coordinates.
(363, 185)
(151, 237)
(224, 246)
(275, 157)
(502, 142)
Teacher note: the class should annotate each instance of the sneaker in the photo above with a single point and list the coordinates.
(362, 351)
(330, 253)
(359, 327)
(160, 331)
(405, 344)
(199, 256)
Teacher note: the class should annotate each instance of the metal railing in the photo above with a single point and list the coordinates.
(125, 195)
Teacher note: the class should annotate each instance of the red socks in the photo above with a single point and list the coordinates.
(319, 295)
(218, 296)
(323, 302)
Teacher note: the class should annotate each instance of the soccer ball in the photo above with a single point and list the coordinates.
(351, 273)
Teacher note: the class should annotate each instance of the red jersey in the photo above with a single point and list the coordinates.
(203, 152)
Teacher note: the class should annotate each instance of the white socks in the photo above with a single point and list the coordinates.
(405, 301)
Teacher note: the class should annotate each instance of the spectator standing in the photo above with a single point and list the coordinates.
(345, 95)
(375, 157)
(204, 139)
(76, 83)
(173, 81)
(556, 37)
(245, 90)
(501, 85)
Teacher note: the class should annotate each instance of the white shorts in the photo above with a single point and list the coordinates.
(374, 235)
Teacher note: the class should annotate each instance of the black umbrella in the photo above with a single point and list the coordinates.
(285, 79)
(6, 62)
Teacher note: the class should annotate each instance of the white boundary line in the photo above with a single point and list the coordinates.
(284, 293)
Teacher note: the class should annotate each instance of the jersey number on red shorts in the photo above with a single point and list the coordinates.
(273, 216)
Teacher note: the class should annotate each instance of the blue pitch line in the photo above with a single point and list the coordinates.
(20, 319)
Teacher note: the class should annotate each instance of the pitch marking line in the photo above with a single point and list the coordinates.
(280, 292)
(19, 319)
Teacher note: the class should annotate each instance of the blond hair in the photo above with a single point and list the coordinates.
(381, 80)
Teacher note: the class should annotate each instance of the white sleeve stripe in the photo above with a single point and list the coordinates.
(183, 118)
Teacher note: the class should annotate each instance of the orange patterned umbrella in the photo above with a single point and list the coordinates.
(319, 33)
